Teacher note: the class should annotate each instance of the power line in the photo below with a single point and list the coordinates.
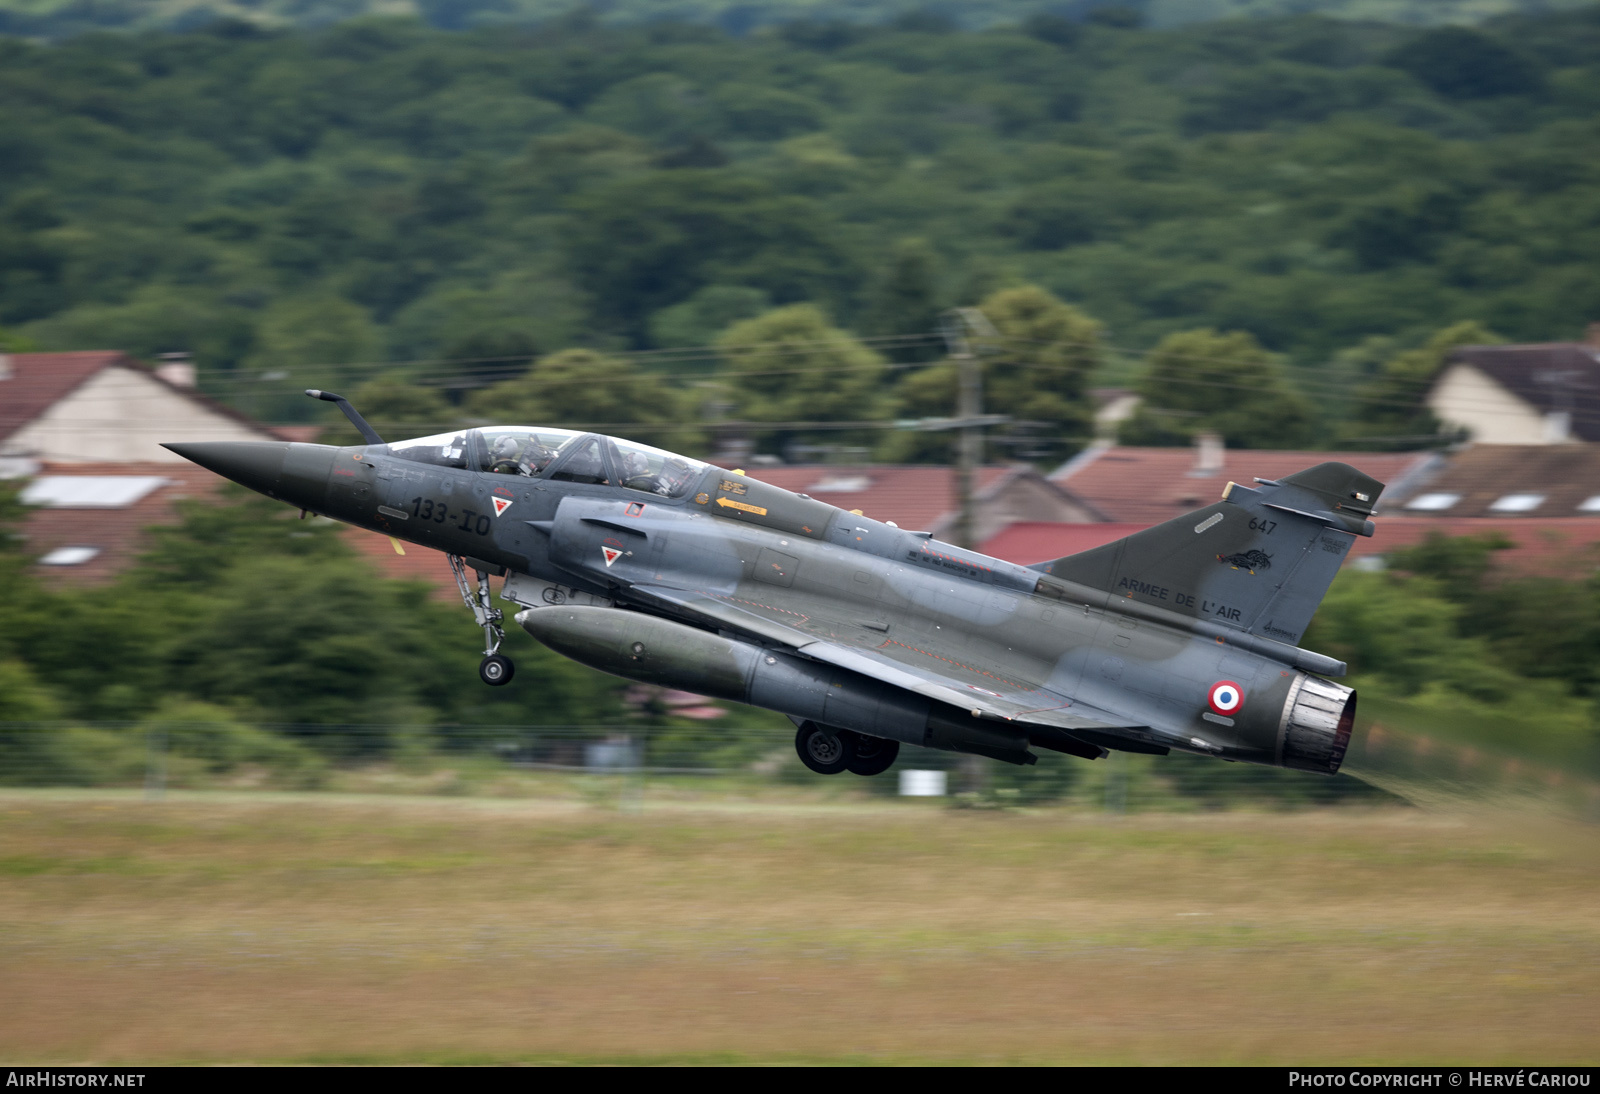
(241, 387)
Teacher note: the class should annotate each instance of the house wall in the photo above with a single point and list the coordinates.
(1466, 397)
(122, 415)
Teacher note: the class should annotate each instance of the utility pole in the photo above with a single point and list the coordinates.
(956, 327)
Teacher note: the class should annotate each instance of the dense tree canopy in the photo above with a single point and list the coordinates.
(379, 199)
(1204, 381)
(586, 389)
(822, 20)
(275, 621)
(1036, 372)
(793, 366)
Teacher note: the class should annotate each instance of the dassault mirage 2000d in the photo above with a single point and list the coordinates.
(662, 569)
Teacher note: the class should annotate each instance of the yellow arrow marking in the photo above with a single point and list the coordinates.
(399, 550)
(742, 507)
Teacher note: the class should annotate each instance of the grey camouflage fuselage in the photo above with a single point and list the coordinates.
(1179, 637)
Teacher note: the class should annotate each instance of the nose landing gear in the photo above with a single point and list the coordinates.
(496, 668)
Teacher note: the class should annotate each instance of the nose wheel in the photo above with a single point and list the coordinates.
(496, 668)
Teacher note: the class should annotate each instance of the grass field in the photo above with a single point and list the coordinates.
(281, 928)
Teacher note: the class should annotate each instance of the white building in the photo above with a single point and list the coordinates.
(105, 407)
(1535, 394)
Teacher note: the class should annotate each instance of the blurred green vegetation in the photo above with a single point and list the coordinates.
(1447, 645)
(51, 18)
(1306, 207)
(246, 636)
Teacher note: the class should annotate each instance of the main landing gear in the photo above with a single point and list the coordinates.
(828, 751)
(496, 668)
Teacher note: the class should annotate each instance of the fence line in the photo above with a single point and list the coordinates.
(161, 755)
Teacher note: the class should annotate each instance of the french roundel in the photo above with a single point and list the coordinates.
(1226, 697)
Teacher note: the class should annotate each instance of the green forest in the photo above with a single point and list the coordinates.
(57, 18)
(1307, 211)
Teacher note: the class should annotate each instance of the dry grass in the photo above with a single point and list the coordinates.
(282, 928)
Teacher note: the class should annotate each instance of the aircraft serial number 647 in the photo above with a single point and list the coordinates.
(658, 568)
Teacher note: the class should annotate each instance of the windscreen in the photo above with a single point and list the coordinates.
(442, 449)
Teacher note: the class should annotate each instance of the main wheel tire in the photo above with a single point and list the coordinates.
(823, 749)
(496, 670)
(873, 755)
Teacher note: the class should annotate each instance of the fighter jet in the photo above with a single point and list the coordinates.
(659, 568)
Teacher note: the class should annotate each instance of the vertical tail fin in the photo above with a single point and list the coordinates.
(1261, 559)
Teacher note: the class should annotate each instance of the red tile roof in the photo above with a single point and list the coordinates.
(1042, 541)
(417, 564)
(119, 534)
(917, 498)
(1564, 547)
(34, 382)
(38, 381)
(1564, 476)
(1150, 485)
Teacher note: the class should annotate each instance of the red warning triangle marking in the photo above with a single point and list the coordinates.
(501, 505)
(611, 553)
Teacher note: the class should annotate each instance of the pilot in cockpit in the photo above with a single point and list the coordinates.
(636, 473)
(674, 477)
(503, 458)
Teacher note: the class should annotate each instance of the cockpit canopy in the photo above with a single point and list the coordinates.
(561, 455)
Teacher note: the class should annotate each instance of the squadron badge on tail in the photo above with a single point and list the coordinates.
(1248, 560)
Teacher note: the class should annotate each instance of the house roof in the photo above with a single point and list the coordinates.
(920, 498)
(88, 519)
(31, 383)
(417, 564)
(1556, 548)
(1555, 481)
(1027, 542)
(1550, 376)
(1150, 485)
(117, 533)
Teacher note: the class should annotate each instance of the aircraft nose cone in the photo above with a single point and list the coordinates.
(256, 464)
(295, 473)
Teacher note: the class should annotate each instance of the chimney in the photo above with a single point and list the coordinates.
(1209, 453)
(5, 366)
(176, 369)
(1591, 336)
